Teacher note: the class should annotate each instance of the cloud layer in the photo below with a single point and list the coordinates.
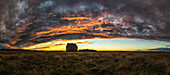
(30, 22)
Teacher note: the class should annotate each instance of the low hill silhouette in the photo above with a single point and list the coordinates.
(87, 50)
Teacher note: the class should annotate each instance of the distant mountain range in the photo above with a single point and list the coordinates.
(160, 49)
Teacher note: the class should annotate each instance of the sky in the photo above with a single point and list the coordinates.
(116, 44)
(102, 25)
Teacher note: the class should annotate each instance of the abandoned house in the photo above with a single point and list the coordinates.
(71, 47)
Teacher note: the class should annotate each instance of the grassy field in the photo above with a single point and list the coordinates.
(84, 63)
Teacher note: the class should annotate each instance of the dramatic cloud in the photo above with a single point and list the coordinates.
(86, 42)
(31, 22)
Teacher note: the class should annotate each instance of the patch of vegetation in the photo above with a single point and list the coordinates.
(84, 63)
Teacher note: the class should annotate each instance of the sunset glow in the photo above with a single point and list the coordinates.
(51, 24)
(119, 44)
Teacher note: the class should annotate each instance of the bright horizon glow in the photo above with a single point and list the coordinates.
(116, 44)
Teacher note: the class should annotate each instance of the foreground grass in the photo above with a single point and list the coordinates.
(83, 63)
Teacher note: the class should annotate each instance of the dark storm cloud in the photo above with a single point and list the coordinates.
(29, 22)
(9, 14)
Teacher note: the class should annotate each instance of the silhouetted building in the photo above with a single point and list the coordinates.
(71, 47)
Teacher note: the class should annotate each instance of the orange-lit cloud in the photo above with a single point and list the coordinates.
(77, 25)
(86, 42)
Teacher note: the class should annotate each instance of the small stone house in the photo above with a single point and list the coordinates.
(71, 47)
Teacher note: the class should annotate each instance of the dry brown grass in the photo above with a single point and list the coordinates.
(84, 63)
